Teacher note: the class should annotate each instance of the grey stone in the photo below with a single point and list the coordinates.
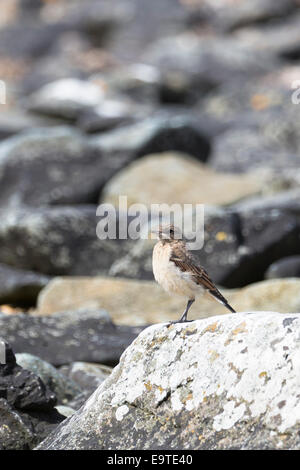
(57, 240)
(285, 267)
(87, 376)
(154, 135)
(240, 242)
(227, 382)
(64, 388)
(244, 14)
(209, 61)
(23, 431)
(48, 166)
(27, 411)
(20, 287)
(62, 338)
(21, 388)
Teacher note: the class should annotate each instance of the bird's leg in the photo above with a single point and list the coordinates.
(183, 318)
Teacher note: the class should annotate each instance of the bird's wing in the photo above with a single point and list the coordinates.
(184, 261)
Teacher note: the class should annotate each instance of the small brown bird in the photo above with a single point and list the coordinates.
(177, 271)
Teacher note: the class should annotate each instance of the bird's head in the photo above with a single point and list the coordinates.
(168, 233)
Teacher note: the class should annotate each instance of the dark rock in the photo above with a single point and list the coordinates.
(239, 242)
(154, 135)
(57, 240)
(285, 267)
(62, 338)
(49, 166)
(19, 287)
(23, 431)
(64, 388)
(27, 412)
(21, 388)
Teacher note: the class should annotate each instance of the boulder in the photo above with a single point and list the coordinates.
(80, 335)
(87, 376)
(240, 241)
(145, 302)
(47, 166)
(57, 240)
(159, 133)
(209, 61)
(20, 287)
(65, 98)
(65, 389)
(285, 267)
(176, 178)
(245, 13)
(27, 412)
(228, 382)
(245, 150)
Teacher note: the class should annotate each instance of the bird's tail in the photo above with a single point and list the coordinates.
(219, 297)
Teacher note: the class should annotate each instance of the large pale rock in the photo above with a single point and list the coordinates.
(224, 383)
(131, 302)
(177, 178)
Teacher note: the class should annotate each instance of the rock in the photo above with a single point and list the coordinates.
(19, 287)
(177, 179)
(27, 411)
(64, 389)
(59, 240)
(145, 302)
(244, 150)
(285, 267)
(82, 335)
(142, 301)
(86, 375)
(159, 133)
(208, 61)
(240, 242)
(23, 431)
(222, 383)
(16, 121)
(278, 38)
(65, 98)
(65, 410)
(21, 388)
(28, 39)
(110, 114)
(245, 13)
(46, 167)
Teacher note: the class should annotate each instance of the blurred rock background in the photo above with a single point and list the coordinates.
(106, 98)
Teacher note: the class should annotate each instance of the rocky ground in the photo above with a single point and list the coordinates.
(176, 101)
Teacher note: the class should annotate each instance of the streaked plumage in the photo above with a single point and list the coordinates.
(177, 271)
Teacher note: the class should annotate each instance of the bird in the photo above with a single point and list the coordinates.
(177, 271)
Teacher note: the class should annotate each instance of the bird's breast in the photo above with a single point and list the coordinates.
(169, 276)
